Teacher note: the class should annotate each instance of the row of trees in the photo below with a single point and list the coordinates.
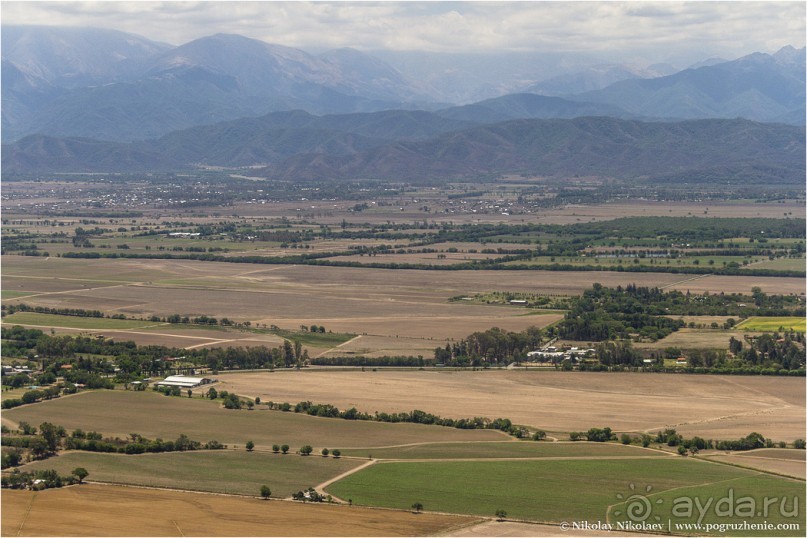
(416, 416)
(50, 438)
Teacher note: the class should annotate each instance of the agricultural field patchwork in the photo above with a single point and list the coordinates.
(100, 510)
(556, 491)
(387, 303)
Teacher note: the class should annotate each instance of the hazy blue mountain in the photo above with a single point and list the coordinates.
(23, 95)
(362, 74)
(73, 57)
(695, 151)
(526, 106)
(761, 87)
(207, 80)
(279, 135)
(595, 78)
(244, 142)
(463, 78)
(39, 153)
(41, 63)
(108, 85)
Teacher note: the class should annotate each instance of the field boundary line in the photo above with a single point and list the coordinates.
(747, 468)
(735, 455)
(320, 488)
(338, 346)
(697, 277)
(753, 413)
(177, 526)
(27, 511)
(213, 343)
(513, 458)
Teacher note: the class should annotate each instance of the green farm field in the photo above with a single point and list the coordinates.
(743, 497)
(765, 324)
(514, 449)
(218, 471)
(11, 294)
(152, 415)
(548, 491)
(783, 264)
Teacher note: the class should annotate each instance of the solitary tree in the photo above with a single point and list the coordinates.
(212, 394)
(81, 473)
(50, 435)
(336, 452)
(305, 450)
(275, 448)
(417, 507)
(325, 451)
(257, 400)
(284, 448)
(265, 491)
(501, 514)
(190, 393)
(250, 445)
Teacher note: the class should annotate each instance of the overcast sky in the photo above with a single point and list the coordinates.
(656, 31)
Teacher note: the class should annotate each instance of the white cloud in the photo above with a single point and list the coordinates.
(660, 30)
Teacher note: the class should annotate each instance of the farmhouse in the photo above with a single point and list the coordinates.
(184, 382)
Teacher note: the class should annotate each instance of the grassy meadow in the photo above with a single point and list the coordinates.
(73, 322)
(550, 491)
(218, 471)
(766, 324)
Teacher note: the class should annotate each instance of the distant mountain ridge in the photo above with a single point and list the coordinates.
(760, 87)
(210, 79)
(588, 146)
(300, 147)
(109, 85)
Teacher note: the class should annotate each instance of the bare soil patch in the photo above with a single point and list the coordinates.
(724, 407)
(95, 510)
(784, 466)
(694, 339)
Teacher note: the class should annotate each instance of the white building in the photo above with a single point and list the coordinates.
(184, 382)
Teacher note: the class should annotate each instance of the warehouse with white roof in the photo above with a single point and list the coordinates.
(184, 382)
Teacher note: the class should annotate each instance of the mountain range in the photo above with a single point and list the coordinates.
(110, 85)
(101, 100)
(425, 148)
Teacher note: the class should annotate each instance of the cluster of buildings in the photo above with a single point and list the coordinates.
(553, 354)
